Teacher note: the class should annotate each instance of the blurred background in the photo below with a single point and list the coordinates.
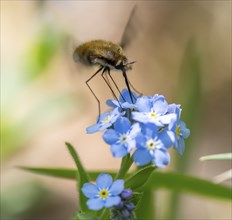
(183, 51)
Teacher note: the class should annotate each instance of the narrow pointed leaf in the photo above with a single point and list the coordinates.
(53, 172)
(139, 178)
(182, 183)
(82, 176)
(226, 156)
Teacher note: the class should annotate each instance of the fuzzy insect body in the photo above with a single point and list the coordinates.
(103, 53)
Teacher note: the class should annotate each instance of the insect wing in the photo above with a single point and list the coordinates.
(129, 30)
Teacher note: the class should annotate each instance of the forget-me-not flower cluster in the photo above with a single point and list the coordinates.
(146, 126)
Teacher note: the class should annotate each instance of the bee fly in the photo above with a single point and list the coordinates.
(109, 56)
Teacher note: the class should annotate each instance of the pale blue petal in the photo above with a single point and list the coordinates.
(117, 187)
(161, 158)
(140, 117)
(174, 108)
(102, 127)
(168, 138)
(118, 150)
(181, 146)
(112, 103)
(104, 115)
(141, 157)
(144, 104)
(92, 129)
(185, 132)
(104, 181)
(151, 130)
(131, 145)
(122, 125)
(166, 119)
(135, 129)
(112, 201)
(160, 106)
(126, 105)
(110, 136)
(140, 141)
(89, 190)
(95, 204)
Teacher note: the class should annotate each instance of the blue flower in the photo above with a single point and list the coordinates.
(105, 193)
(124, 100)
(153, 110)
(152, 146)
(122, 137)
(179, 128)
(181, 133)
(105, 121)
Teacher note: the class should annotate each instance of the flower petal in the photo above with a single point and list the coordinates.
(142, 157)
(140, 141)
(110, 136)
(166, 119)
(168, 138)
(89, 190)
(161, 158)
(104, 181)
(144, 104)
(180, 146)
(185, 132)
(95, 204)
(112, 201)
(118, 150)
(160, 106)
(117, 187)
(122, 125)
(140, 117)
(92, 129)
(135, 129)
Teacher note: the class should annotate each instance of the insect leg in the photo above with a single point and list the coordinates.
(115, 85)
(134, 88)
(108, 84)
(128, 86)
(98, 102)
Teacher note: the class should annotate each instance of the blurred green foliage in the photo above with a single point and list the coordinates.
(42, 51)
(55, 106)
(19, 199)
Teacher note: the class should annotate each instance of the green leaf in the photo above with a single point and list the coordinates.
(62, 172)
(139, 178)
(182, 183)
(226, 156)
(84, 216)
(53, 172)
(145, 208)
(82, 176)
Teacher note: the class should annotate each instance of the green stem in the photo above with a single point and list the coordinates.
(125, 166)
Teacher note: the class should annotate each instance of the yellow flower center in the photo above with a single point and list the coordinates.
(105, 120)
(153, 115)
(104, 193)
(177, 130)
